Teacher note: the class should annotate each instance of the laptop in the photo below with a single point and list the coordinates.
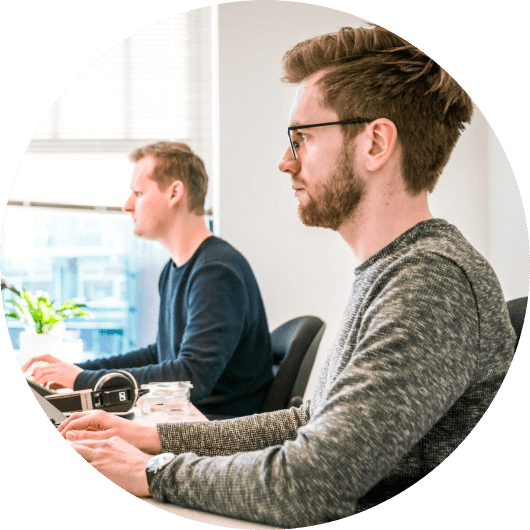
(53, 413)
(42, 390)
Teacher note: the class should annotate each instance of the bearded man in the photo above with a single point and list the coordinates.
(425, 339)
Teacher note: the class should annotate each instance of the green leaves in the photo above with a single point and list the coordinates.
(39, 313)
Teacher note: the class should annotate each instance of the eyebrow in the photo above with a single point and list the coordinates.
(295, 131)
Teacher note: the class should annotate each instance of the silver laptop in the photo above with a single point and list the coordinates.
(53, 413)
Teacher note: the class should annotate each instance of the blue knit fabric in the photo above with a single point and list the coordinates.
(212, 331)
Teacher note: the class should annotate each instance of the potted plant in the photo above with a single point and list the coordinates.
(39, 315)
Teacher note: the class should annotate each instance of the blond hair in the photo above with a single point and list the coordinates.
(176, 161)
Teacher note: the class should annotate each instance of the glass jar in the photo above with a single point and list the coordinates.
(165, 398)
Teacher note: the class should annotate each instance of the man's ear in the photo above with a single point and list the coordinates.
(176, 192)
(379, 143)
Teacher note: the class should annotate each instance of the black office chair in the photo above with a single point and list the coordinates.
(517, 310)
(295, 346)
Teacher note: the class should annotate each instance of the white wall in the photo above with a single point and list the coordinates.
(508, 231)
(310, 270)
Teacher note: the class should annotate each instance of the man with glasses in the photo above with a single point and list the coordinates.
(425, 340)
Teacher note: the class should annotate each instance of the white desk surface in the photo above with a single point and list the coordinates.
(205, 517)
(195, 515)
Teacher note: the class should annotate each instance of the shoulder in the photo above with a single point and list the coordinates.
(437, 250)
(422, 277)
(215, 251)
(435, 268)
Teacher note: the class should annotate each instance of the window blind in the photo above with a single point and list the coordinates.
(155, 85)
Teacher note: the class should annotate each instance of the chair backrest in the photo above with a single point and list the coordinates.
(517, 310)
(295, 346)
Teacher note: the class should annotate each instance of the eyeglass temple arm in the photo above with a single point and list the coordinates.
(356, 120)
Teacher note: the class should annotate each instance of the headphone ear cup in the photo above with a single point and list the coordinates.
(119, 380)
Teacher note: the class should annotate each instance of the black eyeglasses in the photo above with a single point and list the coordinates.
(343, 122)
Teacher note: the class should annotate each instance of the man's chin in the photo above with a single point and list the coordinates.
(139, 233)
(309, 217)
(144, 235)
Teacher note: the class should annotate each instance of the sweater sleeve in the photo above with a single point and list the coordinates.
(226, 437)
(413, 357)
(95, 369)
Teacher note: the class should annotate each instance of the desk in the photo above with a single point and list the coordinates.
(195, 515)
(205, 517)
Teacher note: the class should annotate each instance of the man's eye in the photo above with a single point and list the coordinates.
(138, 193)
(300, 137)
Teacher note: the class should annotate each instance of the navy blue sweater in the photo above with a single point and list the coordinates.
(212, 331)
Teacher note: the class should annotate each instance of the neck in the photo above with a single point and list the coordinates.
(380, 219)
(185, 236)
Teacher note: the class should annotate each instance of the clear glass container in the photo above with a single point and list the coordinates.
(165, 398)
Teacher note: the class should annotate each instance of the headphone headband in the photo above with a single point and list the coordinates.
(114, 392)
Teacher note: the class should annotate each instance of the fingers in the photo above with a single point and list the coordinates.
(44, 374)
(60, 372)
(90, 449)
(46, 358)
(77, 436)
(81, 421)
(34, 367)
(73, 417)
(118, 461)
(103, 426)
(86, 451)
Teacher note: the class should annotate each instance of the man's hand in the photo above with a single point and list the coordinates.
(45, 369)
(118, 461)
(101, 425)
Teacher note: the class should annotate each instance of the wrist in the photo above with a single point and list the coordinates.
(148, 440)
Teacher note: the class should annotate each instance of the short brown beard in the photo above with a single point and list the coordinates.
(338, 199)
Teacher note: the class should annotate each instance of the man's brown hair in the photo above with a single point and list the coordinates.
(176, 161)
(372, 73)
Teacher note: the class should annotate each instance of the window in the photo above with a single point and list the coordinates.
(64, 231)
(155, 85)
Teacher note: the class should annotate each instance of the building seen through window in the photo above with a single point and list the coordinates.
(83, 255)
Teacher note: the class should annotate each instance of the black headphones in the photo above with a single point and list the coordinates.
(114, 392)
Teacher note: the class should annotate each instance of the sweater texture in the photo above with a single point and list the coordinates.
(212, 331)
(424, 344)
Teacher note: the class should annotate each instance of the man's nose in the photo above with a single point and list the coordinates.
(127, 207)
(288, 164)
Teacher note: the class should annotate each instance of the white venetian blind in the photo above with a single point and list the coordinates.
(156, 85)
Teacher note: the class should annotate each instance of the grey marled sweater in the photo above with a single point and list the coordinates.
(424, 345)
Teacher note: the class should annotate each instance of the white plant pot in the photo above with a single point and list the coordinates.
(70, 352)
(33, 344)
